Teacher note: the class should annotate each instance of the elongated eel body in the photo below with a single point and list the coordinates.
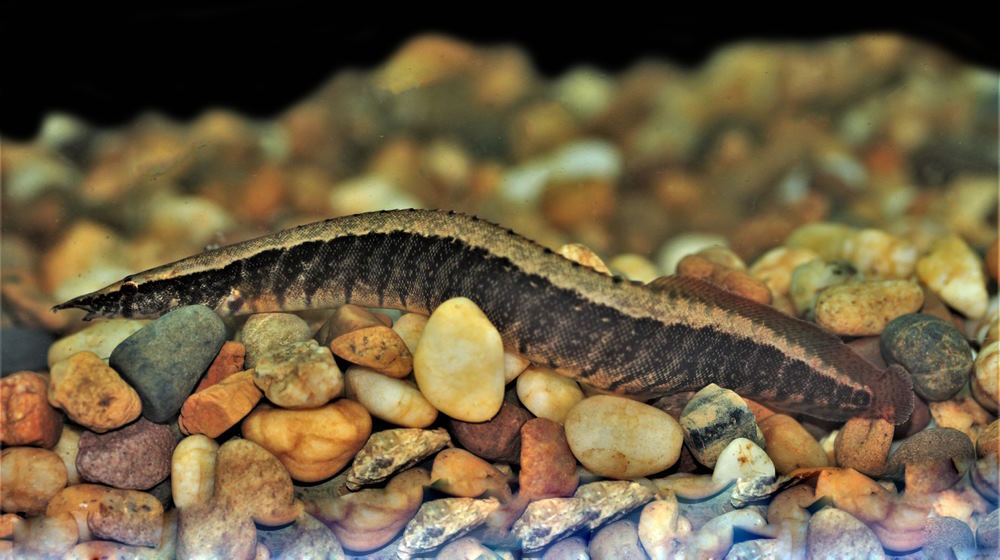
(673, 335)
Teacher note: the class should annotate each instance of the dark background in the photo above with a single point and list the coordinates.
(107, 65)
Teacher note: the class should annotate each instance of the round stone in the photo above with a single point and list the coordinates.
(932, 350)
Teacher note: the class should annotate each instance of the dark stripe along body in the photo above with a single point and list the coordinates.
(673, 335)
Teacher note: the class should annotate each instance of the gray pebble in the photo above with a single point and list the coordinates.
(24, 349)
(948, 537)
(307, 537)
(264, 333)
(932, 350)
(712, 419)
(988, 532)
(618, 540)
(163, 360)
(136, 457)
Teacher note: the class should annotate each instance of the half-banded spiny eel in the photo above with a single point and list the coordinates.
(672, 335)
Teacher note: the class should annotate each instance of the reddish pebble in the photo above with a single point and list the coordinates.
(26, 418)
(228, 361)
(548, 467)
(136, 457)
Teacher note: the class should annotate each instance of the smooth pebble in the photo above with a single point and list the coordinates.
(397, 401)
(954, 272)
(546, 394)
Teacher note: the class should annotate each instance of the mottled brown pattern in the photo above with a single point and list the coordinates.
(673, 335)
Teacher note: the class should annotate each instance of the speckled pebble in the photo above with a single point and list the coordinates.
(548, 468)
(877, 254)
(299, 375)
(164, 359)
(833, 533)
(865, 308)
(307, 537)
(713, 418)
(948, 537)
(265, 332)
(931, 445)
(932, 350)
(954, 272)
(135, 457)
(499, 438)
(988, 532)
(863, 444)
(742, 459)
(985, 383)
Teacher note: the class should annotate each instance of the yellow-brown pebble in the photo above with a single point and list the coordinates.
(546, 394)
(26, 418)
(92, 394)
(986, 377)
(733, 280)
(394, 400)
(219, 407)
(78, 500)
(459, 473)
(865, 308)
(29, 478)
(192, 471)
(582, 254)
(313, 444)
(789, 445)
(67, 448)
(954, 272)
(459, 364)
(774, 268)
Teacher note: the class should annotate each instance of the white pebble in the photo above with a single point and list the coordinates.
(546, 394)
(100, 338)
(393, 400)
(742, 458)
(459, 363)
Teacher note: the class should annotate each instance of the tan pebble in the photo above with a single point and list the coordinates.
(961, 413)
(459, 364)
(100, 338)
(127, 516)
(774, 268)
(634, 267)
(92, 394)
(617, 540)
(409, 327)
(228, 361)
(865, 308)
(677, 247)
(789, 445)
(369, 519)
(30, 477)
(824, 238)
(661, 527)
(423, 61)
(207, 531)
(192, 471)
(67, 448)
(732, 280)
(50, 535)
(394, 400)
(264, 333)
(546, 394)
(299, 375)
(26, 418)
(457, 472)
(78, 500)
(465, 548)
(863, 444)
(219, 407)
(378, 348)
(621, 438)
(988, 442)
(953, 271)
(582, 254)
(313, 444)
(834, 533)
(744, 459)
(811, 278)
(985, 383)
(876, 254)
(513, 365)
(251, 481)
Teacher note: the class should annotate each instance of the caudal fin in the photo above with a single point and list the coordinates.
(893, 389)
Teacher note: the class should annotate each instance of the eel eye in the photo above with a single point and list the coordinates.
(129, 288)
